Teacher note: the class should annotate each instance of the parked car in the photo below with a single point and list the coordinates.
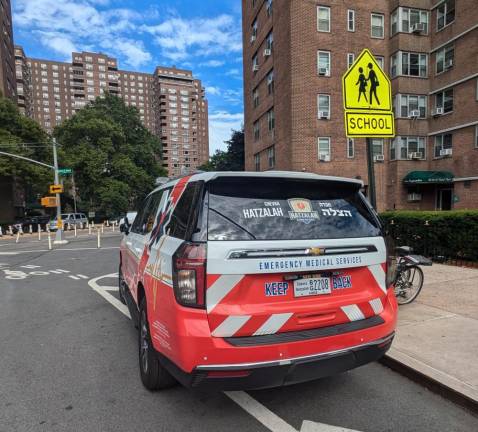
(26, 221)
(69, 219)
(253, 280)
(127, 220)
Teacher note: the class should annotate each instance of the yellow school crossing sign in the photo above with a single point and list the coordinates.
(367, 97)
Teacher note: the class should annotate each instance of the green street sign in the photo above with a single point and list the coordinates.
(64, 171)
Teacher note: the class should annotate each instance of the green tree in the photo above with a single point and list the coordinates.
(22, 136)
(230, 160)
(114, 157)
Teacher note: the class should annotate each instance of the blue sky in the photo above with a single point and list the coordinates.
(204, 36)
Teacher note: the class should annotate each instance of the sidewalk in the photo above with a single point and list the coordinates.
(437, 335)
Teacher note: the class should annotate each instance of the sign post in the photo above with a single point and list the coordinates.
(367, 97)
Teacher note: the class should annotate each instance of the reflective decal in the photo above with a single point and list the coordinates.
(302, 210)
(273, 289)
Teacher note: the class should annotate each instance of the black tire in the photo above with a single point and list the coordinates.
(409, 285)
(153, 375)
(122, 287)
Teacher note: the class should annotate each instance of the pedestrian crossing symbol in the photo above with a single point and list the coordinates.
(367, 98)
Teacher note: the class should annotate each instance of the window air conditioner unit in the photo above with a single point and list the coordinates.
(415, 155)
(414, 114)
(323, 115)
(418, 28)
(449, 64)
(323, 71)
(446, 152)
(414, 197)
(267, 52)
(437, 111)
(255, 68)
(378, 158)
(253, 38)
(324, 158)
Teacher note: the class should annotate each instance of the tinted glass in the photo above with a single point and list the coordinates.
(144, 221)
(287, 209)
(186, 212)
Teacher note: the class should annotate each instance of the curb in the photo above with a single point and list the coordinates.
(436, 386)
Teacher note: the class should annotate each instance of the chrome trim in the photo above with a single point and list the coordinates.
(299, 252)
(255, 365)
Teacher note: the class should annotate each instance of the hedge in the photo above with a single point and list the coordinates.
(438, 234)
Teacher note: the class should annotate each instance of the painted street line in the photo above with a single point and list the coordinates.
(74, 277)
(82, 276)
(30, 266)
(261, 413)
(60, 250)
(20, 274)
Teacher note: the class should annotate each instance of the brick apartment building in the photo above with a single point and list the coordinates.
(7, 60)
(295, 53)
(171, 102)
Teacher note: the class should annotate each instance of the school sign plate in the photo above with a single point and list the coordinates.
(367, 98)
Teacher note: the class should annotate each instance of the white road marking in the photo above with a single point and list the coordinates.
(74, 277)
(58, 250)
(56, 272)
(63, 271)
(262, 414)
(82, 276)
(110, 288)
(107, 296)
(9, 253)
(39, 273)
(30, 266)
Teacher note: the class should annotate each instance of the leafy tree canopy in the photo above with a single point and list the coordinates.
(22, 136)
(230, 160)
(114, 157)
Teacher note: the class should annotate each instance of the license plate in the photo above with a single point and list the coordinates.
(312, 286)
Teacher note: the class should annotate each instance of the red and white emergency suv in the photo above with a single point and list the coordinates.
(251, 280)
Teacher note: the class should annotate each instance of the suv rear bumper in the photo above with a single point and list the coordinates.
(247, 376)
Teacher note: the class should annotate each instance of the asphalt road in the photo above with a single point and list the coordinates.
(68, 362)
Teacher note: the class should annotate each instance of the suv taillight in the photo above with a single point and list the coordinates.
(189, 276)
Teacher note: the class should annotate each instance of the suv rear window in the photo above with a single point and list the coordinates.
(287, 209)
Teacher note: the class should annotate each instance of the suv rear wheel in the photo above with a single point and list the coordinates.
(153, 375)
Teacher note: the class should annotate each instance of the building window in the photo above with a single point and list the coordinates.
(413, 106)
(270, 82)
(323, 104)
(255, 98)
(377, 147)
(257, 131)
(271, 157)
(324, 148)
(350, 59)
(270, 41)
(443, 145)
(444, 58)
(407, 147)
(377, 25)
(351, 20)
(380, 61)
(323, 63)
(408, 64)
(270, 120)
(444, 100)
(408, 20)
(257, 162)
(445, 14)
(350, 148)
(323, 19)
(254, 31)
(269, 7)
(255, 63)
(476, 136)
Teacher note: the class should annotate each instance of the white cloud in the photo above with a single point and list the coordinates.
(179, 38)
(213, 63)
(221, 124)
(212, 90)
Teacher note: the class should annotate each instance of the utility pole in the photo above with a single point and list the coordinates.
(371, 175)
(59, 222)
(74, 189)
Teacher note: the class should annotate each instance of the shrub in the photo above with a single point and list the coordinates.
(448, 234)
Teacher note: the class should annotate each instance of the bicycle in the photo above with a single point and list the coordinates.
(408, 280)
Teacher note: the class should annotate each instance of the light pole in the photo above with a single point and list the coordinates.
(59, 222)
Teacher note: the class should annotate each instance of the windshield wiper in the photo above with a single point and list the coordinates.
(234, 223)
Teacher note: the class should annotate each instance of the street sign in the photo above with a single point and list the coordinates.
(57, 188)
(367, 97)
(64, 171)
(91, 214)
(48, 201)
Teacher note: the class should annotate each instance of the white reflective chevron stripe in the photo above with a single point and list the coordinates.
(273, 324)
(219, 289)
(353, 312)
(379, 275)
(377, 305)
(230, 325)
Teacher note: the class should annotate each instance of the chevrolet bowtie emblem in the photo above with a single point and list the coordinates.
(316, 251)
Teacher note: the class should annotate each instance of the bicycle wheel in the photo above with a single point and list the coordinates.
(408, 285)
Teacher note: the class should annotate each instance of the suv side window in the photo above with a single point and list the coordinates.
(144, 221)
(186, 212)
